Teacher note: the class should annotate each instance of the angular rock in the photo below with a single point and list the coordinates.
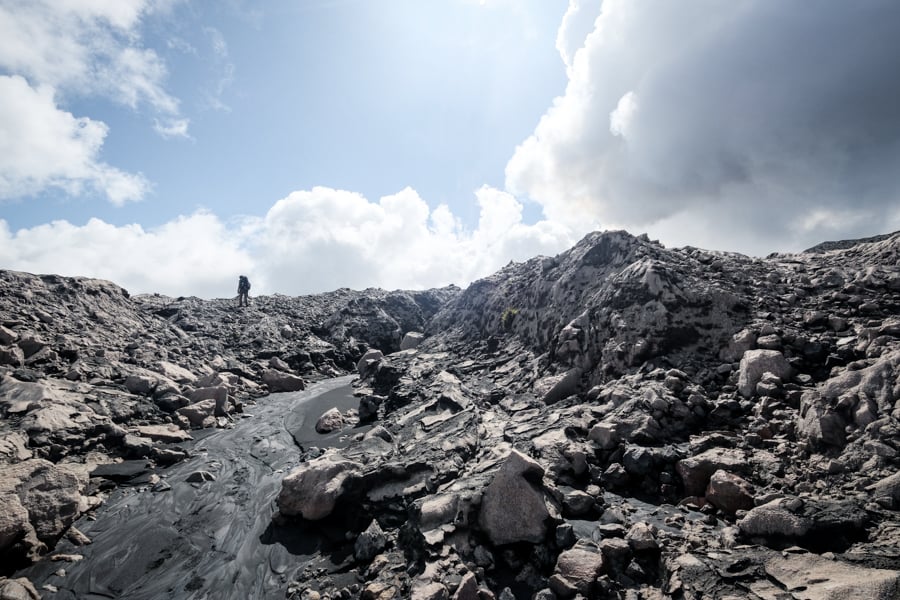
(370, 542)
(513, 508)
(575, 572)
(50, 495)
(312, 490)
(729, 493)
(200, 414)
(411, 339)
(19, 588)
(695, 471)
(775, 519)
(757, 362)
(218, 393)
(278, 381)
(811, 577)
(331, 420)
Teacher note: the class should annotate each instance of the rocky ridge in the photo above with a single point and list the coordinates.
(626, 420)
(99, 388)
(622, 420)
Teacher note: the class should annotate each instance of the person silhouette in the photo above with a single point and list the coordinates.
(243, 291)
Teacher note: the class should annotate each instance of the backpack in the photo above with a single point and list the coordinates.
(243, 284)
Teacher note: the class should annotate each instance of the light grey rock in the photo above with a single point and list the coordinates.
(757, 362)
(329, 421)
(775, 519)
(311, 490)
(411, 339)
(812, 577)
(575, 572)
(368, 360)
(695, 471)
(282, 382)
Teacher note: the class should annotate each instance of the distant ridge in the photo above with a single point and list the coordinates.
(844, 244)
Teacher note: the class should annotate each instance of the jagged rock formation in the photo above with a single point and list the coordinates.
(89, 375)
(663, 422)
(622, 420)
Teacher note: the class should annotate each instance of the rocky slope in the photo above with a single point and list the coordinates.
(90, 375)
(622, 420)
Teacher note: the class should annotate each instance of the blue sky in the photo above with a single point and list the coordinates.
(169, 145)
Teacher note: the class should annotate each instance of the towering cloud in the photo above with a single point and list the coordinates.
(741, 125)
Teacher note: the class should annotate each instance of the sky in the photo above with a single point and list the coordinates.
(171, 145)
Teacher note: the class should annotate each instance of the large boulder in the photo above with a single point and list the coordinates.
(278, 381)
(696, 471)
(756, 363)
(368, 361)
(331, 420)
(47, 494)
(575, 572)
(411, 340)
(219, 393)
(811, 577)
(312, 490)
(729, 493)
(514, 507)
(778, 518)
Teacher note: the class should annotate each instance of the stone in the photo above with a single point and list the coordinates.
(219, 393)
(331, 420)
(729, 493)
(575, 572)
(696, 471)
(411, 339)
(513, 508)
(554, 388)
(171, 434)
(428, 591)
(19, 588)
(468, 588)
(775, 519)
(887, 491)
(642, 537)
(200, 477)
(199, 414)
(312, 490)
(369, 543)
(50, 495)
(757, 362)
(278, 381)
(368, 360)
(811, 577)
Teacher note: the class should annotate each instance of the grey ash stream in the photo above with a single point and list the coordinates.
(208, 539)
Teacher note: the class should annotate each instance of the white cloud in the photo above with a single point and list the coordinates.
(746, 117)
(311, 241)
(53, 50)
(193, 255)
(173, 128)
(42, 146)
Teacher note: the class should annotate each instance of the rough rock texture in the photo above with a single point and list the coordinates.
(622, 420)
(514, 508)
(312, 490)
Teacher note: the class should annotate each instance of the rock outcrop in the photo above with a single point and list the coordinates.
(622, 420)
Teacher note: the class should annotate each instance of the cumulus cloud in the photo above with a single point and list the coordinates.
(42, 146)
(51, 50)
(193, 255)
(311, 241)
(753, 126)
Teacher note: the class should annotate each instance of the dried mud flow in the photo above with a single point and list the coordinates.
(206, 539)
(622, 420)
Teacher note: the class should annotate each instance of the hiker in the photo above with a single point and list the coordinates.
(243, 291)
